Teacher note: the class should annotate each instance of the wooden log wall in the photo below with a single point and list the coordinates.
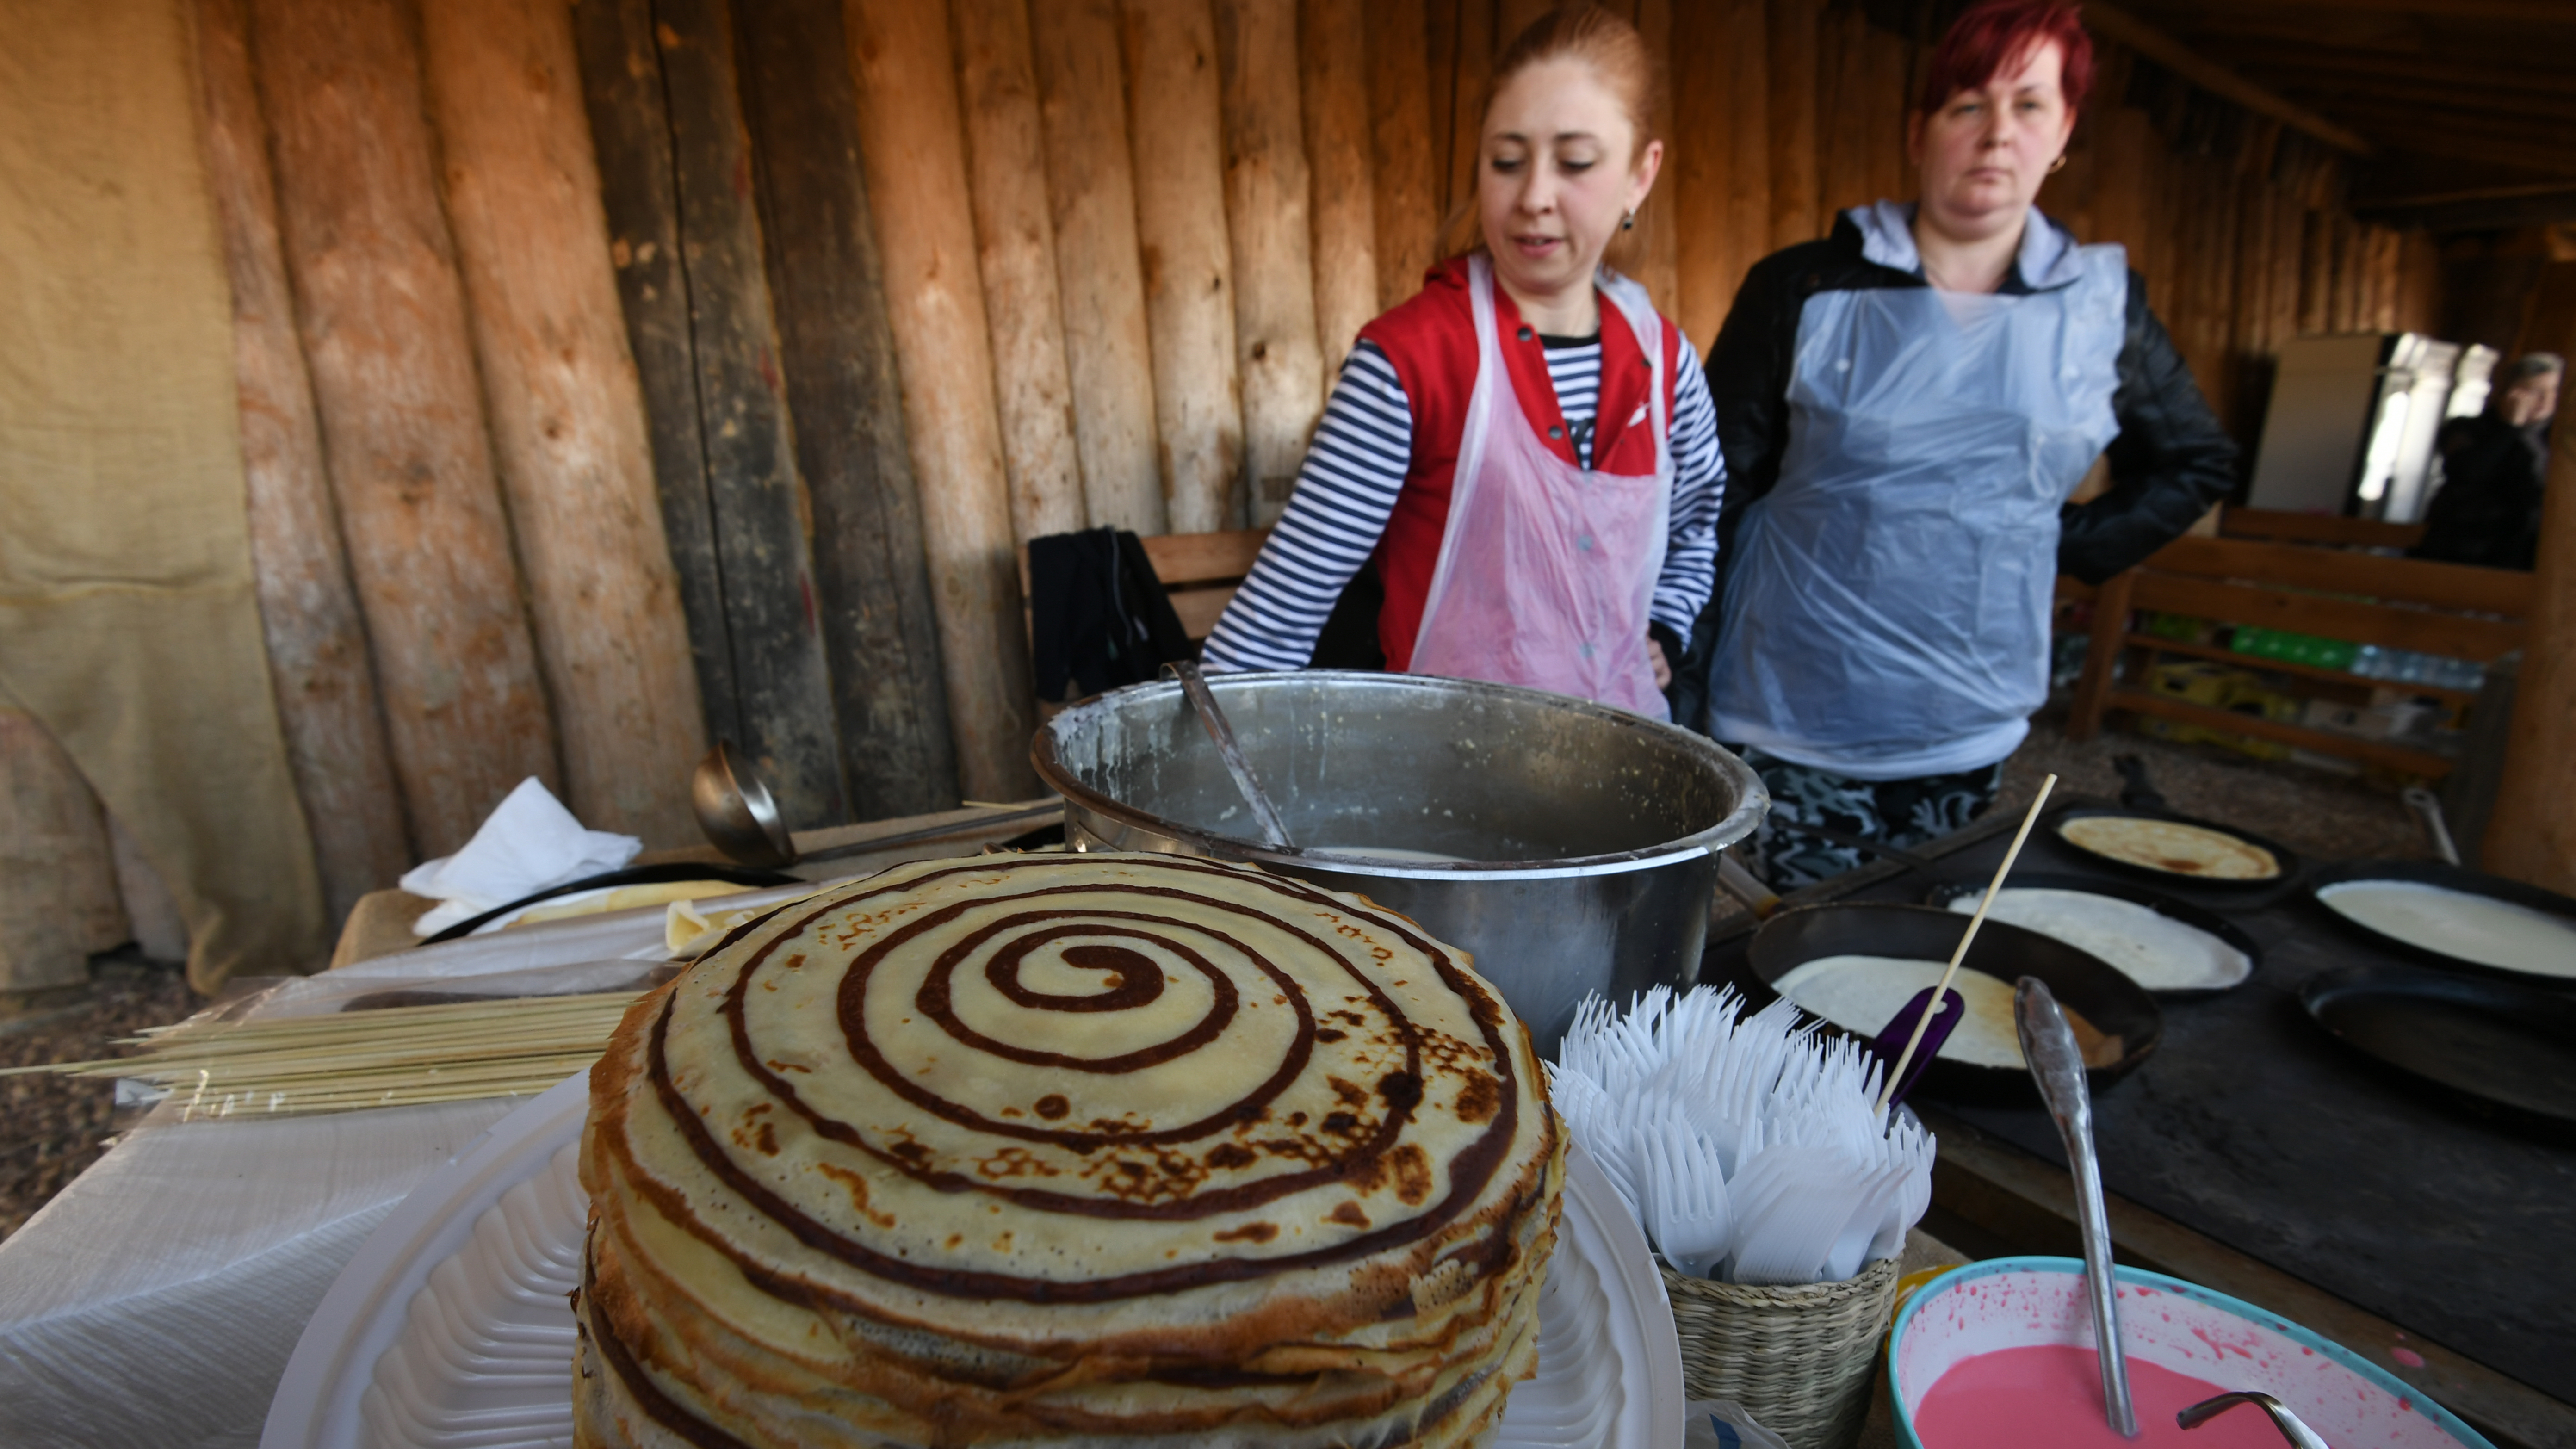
(1006, 144)
(1271, 224)
(1177, 134)
(317, 643)
(1091, 190)
(837, 352)
(911, 136)
(566, 407)
(898, 284)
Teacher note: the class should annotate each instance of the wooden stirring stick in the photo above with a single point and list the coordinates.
(1941, 992)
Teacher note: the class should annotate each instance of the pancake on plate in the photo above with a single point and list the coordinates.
(614, 898)
(2172, 847)
(1078, 1149)
(2146, 945)
(2460, 924)
(1861, 994)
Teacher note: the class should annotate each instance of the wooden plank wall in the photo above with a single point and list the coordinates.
(898, 284)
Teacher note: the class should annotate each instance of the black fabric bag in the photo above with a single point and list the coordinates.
(1098, 616)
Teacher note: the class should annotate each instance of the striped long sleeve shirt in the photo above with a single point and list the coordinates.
(1356, 466)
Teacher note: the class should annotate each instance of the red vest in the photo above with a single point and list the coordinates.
(1431, 341)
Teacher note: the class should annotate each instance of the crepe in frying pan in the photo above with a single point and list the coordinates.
(2151, 948)
(2172, 847)
(1861, 994)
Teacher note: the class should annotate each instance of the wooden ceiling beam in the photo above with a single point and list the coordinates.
(2537, 12)
(2450, 103)
(2113, 23)
(2219, 34)
(2543, 160)
(2290, 69)
(2395, 119)
(2494, 208)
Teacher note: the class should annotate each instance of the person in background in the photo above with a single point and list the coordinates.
(2493, 468)
(1906, 406)
(1520, 465)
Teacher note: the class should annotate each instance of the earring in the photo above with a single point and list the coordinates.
(2057, 165)
(1628, 221)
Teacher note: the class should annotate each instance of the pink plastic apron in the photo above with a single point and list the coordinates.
(1547, 569)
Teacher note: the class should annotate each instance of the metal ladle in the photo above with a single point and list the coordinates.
(1195, 685)
(736, 811)
(2057, 1064)
(2282, 1419)
(740, 816)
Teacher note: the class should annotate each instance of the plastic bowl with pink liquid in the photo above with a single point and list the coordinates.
(2001, 1352)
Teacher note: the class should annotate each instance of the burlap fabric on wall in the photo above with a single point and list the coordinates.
(127, 621)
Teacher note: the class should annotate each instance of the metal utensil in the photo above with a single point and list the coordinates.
(2136, 790)
(2428, 806)
(2057, 1064)
(1740, 883)
(736, 810)
(1274, 830)
(2282, 1419)
(740, 816)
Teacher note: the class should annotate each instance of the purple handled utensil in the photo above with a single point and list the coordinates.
(1889, 1046)
(1898, 1076)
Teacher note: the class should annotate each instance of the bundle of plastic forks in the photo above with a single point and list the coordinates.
(1749, 1149)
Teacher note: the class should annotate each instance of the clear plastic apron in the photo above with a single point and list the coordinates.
(1887, 612)
(1547, 569)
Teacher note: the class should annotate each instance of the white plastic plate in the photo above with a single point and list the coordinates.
(451, 1328)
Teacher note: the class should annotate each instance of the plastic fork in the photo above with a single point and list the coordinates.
(1686, 1198)
(1791, 1204)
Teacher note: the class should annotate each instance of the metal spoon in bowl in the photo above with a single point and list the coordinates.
(2282, 1419)
(1203, 699)
(2057, 1064)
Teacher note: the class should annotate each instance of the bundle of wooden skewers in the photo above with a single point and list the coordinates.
(395, 1056)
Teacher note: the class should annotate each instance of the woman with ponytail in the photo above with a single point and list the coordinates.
(1519, 466)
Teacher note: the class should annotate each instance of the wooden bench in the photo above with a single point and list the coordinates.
(1200, 571)
(2283, 527)
(2324, 587)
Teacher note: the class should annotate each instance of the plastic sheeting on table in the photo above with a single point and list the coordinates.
(157, 1298)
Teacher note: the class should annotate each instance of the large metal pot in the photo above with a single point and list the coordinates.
(1579, 840)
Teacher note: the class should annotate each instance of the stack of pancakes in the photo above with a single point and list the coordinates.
(1066, 1150)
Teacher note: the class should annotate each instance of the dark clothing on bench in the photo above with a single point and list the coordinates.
(1098, 616)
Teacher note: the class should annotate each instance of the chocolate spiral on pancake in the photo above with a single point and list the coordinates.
(1056, 1105)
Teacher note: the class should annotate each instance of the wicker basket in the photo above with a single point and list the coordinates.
(1798, 1359)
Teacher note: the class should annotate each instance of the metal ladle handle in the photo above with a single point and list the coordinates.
(2057, 1064)
(1195, 685)
(2282, 1419)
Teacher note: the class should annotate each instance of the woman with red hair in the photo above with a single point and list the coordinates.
(1905, 407)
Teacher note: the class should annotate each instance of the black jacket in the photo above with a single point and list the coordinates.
(2170, 462)
(2488, 512)
(1098, 616)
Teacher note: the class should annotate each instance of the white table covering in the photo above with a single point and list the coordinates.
(156, 1299)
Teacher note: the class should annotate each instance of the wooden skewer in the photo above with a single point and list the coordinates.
(518, 1007)
(396, 1056)
(365, 1038)
(1941, 992)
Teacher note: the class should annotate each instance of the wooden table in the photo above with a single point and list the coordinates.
(2259, 1235)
